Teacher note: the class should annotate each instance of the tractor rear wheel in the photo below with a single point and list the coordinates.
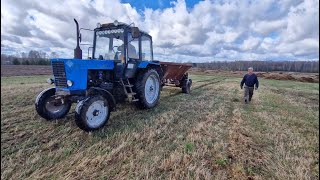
(148, 89)
(49, 108)
(92, 113)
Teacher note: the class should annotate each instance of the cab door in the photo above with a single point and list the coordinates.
(146, 48)
(133, 56)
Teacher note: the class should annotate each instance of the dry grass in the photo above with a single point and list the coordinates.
(207, 135)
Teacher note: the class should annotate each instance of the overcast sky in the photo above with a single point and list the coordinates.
(195, 31)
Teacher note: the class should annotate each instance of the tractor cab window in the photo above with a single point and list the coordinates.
(146, 48)
(108, 44)
(133, 47)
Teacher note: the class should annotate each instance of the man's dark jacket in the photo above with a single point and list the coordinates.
(250, 80)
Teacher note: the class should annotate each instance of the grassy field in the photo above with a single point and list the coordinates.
(209, 134)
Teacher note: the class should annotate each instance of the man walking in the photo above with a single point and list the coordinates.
(249, 80)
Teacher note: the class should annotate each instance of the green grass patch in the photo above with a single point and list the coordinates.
(221, 162)
(21, 80)
(189, 147)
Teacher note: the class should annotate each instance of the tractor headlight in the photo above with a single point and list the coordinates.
(50, 81)
(69, 83)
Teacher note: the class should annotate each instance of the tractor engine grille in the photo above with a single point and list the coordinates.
(60, 79)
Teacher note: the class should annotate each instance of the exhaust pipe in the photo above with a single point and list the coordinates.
(77, 50)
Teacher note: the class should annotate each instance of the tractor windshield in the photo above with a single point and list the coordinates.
(109, 44)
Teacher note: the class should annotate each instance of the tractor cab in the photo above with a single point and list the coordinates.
(126, 45)
(121, 42)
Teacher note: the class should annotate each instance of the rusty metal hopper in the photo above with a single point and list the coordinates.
(174, 70)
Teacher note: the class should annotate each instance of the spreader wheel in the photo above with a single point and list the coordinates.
(186, 88)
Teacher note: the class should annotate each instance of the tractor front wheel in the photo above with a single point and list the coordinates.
(92, 113)
(48, 107)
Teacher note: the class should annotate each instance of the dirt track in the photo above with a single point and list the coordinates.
(25, 70)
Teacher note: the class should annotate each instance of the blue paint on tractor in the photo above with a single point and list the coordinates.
(77, 71)
(144, 64)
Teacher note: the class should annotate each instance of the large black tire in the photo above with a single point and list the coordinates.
(144, 102)
(47, 109)
(98, 106)
(186, 88)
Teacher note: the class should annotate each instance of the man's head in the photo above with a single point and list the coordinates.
(250, 70)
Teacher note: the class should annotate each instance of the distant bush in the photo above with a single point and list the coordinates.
(16, 61)
(26, 62)
(22, 61)
(43, 62)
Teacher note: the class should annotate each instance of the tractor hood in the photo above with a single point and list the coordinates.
(75, 72)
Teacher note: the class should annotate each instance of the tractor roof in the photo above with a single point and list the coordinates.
(121, 25)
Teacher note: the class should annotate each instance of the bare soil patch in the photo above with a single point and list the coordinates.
(25, 70)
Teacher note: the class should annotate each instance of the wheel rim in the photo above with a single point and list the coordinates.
(97, 113)
(151, 89)
(52, 107)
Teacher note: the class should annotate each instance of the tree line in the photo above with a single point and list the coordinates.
(266, 66)
(42, 58)
(33, 57)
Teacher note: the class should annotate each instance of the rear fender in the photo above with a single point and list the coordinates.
(145, 65)
(106, 94)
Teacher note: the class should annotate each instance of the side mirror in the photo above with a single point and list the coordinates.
(135, 32)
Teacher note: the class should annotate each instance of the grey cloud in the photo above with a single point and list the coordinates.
(15, 39)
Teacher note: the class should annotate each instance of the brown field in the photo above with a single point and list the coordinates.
(209, 134)
(25, 70)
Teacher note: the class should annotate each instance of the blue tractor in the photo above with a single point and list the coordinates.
(121, 68)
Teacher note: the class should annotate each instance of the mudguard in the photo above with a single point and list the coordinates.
(144, 64)
(104, 93)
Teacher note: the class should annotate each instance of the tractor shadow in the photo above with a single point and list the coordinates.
(129, 118)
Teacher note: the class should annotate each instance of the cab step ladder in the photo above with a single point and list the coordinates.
(127, 87)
